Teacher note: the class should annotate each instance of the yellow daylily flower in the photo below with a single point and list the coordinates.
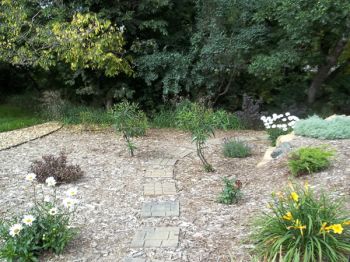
(299, 226)
(288, 216)
(294, 196)
(337, 228)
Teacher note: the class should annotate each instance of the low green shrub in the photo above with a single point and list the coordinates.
(236, 148)
(303, 227)
(56, 167)
(75, 115)
(45, 227)
(231, 193)
(130, 121)
(226, 121)
(316, 127)
(308, 160)
(197, 119)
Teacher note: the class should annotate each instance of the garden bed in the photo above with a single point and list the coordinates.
(111, 192)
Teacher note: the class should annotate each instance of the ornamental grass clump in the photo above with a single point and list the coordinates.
(45, 227)
(236, 148)
(307, 160)
(130, 121)
(303, 227)
(278, 125)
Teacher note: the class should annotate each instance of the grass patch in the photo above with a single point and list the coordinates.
(12, 117)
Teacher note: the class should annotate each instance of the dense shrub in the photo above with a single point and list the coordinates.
(226, 121)
(316, 127)
(164, 119)
(45, 227)
(236, 148)
(303, 227)
(130, 121)
(231, 193)
(308, 160)
(73, 115)
(197, 119)
(51, 166)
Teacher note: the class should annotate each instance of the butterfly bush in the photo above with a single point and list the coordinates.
(279, 124)
(45, 227)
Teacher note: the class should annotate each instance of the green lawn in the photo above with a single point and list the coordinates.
(12, 117)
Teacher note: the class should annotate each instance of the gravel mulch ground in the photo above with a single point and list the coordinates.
(111, 192)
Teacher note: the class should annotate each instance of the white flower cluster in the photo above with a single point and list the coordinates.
(28, 220)
(281, 121)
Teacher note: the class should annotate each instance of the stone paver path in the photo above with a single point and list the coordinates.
(161, 209)
(159, 188)
(161, 170)
(158, 172)
(156, 237)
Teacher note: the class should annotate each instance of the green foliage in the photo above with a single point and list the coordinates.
(14, 117)
(303, 227)
(274, 133)
(308, 160)
(236, 148)
(45, 227)
(197, 119)
(226, 121)
(316, 127)
(130, 121)
(164, 119)
(231, 193)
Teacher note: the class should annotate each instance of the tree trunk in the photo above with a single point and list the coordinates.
(324, 70)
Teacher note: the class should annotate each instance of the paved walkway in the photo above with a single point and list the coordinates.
(163, 183)
(20, 136)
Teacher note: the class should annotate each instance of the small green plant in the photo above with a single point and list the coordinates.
(308, 160)
(197, 119)
(45, 227)
(130, 121)
(231, 193)
(226, 121)
(303, 227)
(236, 148)
(316, 127)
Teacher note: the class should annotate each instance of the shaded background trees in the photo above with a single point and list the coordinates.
(99, 52)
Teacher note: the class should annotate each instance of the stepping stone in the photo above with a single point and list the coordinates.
(156, 237)
(159, 188)
(160, 172)
(161, 209)
(134, 259)
(161, 162)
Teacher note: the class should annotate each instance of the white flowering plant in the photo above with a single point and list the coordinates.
(279, 124)
(45, 227)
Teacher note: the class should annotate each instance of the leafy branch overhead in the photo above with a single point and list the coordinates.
(84, 42)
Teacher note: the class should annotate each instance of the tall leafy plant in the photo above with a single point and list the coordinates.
(130, 121)
(198, 120)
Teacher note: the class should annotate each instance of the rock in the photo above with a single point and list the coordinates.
(285, 138)
(283, 149)
(334, 116)
(267, 157)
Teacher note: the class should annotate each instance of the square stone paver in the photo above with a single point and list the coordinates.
(159, 188)
(159, 172)
(161, 209)
(156, 237)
